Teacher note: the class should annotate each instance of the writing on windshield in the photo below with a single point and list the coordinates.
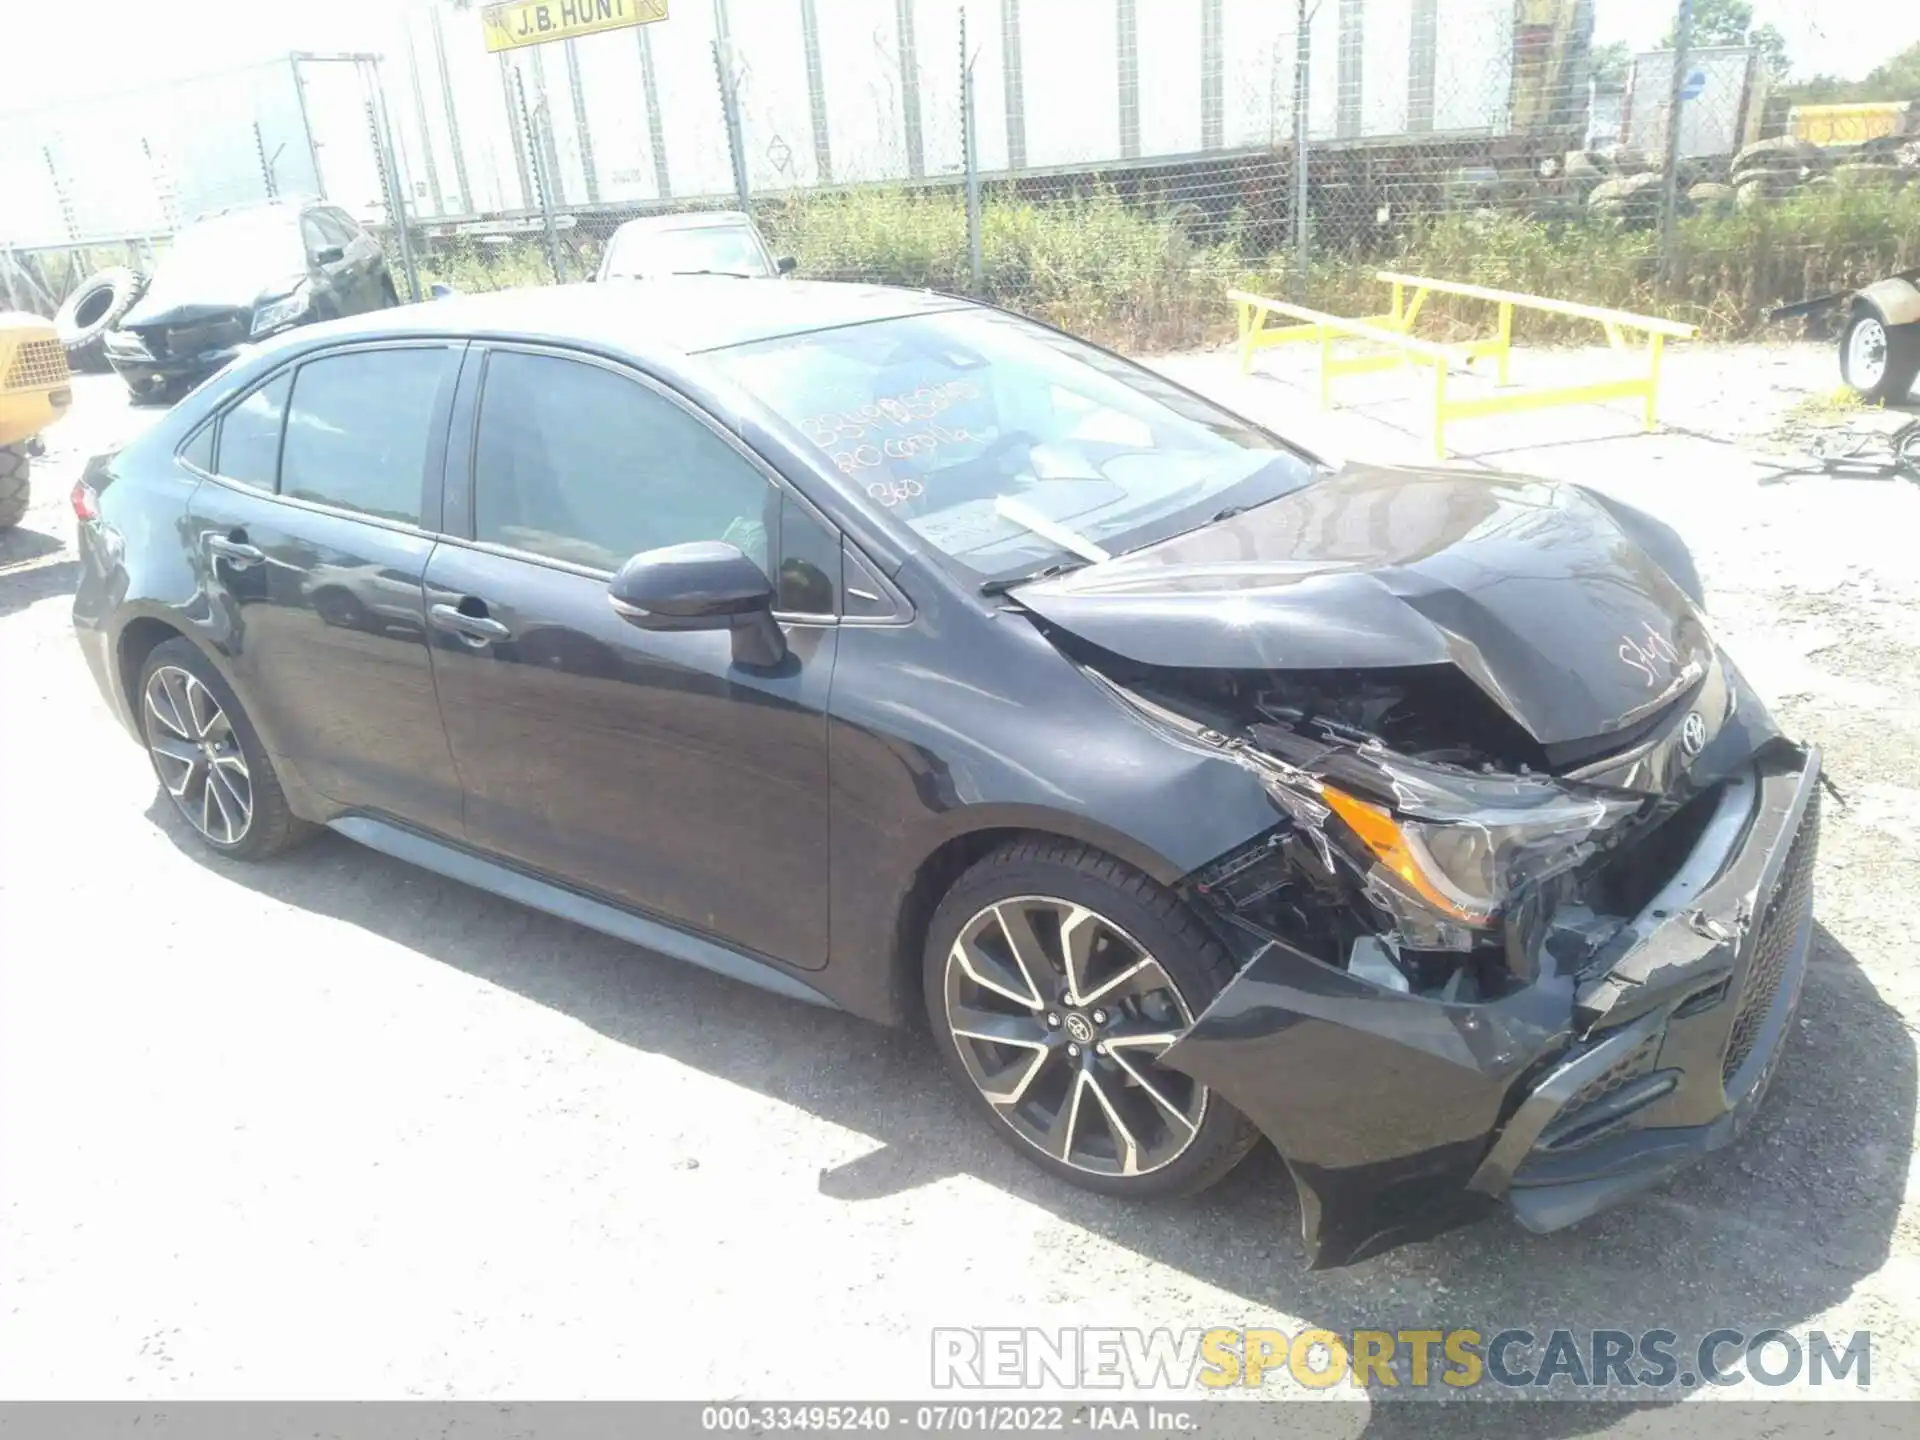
(997, 441)
(890, 427)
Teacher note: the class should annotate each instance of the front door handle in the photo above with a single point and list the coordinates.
(480, 628)
(237, 553)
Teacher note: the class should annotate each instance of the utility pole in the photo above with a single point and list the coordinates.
(1676, 99)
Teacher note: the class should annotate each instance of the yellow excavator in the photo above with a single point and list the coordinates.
(35, 391)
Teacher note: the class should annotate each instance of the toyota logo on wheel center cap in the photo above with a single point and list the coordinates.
(1080, 1028)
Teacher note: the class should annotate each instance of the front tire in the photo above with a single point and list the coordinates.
(209, 758)
(1055, 978)
(16, 484)
(1879, 361)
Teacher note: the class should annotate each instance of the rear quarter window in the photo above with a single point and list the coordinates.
(198, 451)
(248, 450)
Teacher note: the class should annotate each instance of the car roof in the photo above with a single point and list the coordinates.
(678, 314)
(290, 209)
(686, 220)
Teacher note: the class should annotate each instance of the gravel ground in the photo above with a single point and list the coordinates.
(331, 1127)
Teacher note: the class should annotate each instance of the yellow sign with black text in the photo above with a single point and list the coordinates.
(534, 22)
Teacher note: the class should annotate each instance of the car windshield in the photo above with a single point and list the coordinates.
(256, 243)
(1007, 446)
(725, 248)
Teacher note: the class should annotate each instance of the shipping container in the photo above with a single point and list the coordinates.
(831, 92)
(1851, 124)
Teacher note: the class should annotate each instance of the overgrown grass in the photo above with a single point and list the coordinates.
(470, 265)
(1828, 407)
(1141, 280)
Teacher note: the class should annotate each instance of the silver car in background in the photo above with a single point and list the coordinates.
(701, 242)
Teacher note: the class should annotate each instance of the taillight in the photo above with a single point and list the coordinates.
(86, 503)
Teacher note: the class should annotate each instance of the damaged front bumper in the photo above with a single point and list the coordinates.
(1402, 1115)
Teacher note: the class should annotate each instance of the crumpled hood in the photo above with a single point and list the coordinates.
(203, 295)
(1532, 589)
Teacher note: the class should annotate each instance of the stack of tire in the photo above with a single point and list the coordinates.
(1880, 162)
(96, 305)
(1767, 170)
(1633, 200)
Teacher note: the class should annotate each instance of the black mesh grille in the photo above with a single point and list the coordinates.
(1631, 1066)
(1581, 1120)
(1768, 959)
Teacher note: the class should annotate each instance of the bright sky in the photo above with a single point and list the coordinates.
(1833, 37)
(129, 42)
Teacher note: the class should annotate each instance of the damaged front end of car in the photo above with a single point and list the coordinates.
(1477, 970)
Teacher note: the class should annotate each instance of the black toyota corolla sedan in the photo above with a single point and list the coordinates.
(903, 655)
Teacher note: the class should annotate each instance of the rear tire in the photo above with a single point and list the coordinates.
(16, 467)
(1077, 1088)
(208, 757)
(1878, 360)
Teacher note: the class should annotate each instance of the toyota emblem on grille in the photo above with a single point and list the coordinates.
(1693, 733)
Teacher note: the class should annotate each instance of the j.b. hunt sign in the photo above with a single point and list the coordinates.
(534, 22)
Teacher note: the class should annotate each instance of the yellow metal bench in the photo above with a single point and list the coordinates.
(1394, 331)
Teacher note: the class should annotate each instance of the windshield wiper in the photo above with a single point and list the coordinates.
(735, 274)
(1045, 572)
(1083, 550)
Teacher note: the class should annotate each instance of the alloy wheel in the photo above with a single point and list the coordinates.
(198, 755)
(1061, 1018)
(1867, 354)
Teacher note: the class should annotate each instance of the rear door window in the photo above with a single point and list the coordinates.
(359, 429)
(249, 448)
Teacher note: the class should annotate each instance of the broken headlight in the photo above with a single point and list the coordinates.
(1464, 845)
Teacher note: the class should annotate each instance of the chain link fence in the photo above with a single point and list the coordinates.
(108, 181)
(1113, 165)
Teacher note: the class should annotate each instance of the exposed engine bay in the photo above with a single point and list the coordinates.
(1531, 914)
(1393, 782)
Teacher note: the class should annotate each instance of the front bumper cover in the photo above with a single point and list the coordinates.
(134, 363)
(1402, 1116)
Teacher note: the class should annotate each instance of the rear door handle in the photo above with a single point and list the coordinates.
(472, 627)
(237, 553)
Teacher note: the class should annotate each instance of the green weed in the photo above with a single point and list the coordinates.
(1151, 278)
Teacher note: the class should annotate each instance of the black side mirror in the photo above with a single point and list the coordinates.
(705, 585)
(329, 255)
(786, 264)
